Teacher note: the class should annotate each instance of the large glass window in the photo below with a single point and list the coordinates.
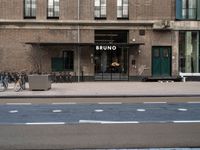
(29, 8)
(53, 8)
(189, 51)
(100, 9)
(122, 9)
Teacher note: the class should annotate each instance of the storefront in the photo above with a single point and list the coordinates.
(111, 55)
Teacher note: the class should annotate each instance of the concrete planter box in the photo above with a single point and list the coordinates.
(39, 82)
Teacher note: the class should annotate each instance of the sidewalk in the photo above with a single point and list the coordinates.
(111, 89)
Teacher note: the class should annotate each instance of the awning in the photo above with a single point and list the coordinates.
(83, 44)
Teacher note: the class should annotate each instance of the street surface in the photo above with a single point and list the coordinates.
(104, 113)
(101, 123)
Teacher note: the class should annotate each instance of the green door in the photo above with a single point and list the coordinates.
(161, 61)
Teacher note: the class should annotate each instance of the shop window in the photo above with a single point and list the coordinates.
(68, 57)
(100, 9)
(122, 9)
(53, 9)
(189, 51)
(188, 9)
(29, 9)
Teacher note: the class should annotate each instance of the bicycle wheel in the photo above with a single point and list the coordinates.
(17, 87)
(2, 87)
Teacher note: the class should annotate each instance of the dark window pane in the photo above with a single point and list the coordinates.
(165, 52)
(156, 53)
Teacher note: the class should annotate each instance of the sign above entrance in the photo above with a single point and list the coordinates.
(106, 47)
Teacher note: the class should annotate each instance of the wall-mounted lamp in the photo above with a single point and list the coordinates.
(133, 40)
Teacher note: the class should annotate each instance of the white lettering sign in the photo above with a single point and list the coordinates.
(106, 48)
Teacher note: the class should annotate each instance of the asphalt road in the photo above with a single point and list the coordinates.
(107, 124)
(104, 113)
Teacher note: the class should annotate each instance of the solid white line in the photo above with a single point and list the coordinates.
(45, 123)
(187, 121)
(18, 103)
(193, 102)
(13, 111)
(57, 111)
(67, 103)
(108, 122)
(109, 103)
(155, 102)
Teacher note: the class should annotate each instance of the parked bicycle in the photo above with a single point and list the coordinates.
(62, 77)
(3, 82)
(20, 82)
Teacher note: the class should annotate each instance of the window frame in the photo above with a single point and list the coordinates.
(187, 9)
(54, 16)
(180, 8)
(31, 9)
(100, 10)
(123, 16)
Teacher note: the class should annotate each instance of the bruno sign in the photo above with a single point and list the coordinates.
(106, 48)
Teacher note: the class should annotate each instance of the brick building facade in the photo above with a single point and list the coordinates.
(100, 39)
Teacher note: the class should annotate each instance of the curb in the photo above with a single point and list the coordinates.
(97, 96)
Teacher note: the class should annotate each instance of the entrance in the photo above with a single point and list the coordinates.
(111, 56)
(161, 61)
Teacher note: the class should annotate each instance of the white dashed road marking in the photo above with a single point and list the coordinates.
(13, 111)
(18, 104)
(141, 110)
(110, 103)
(108, 122)
(67, 103)
(45, 123)
(155, 102)
(57, 111)
(187, 121)
(98, 110)
(182, 109)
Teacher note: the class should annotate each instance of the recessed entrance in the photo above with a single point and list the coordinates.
(111, 56)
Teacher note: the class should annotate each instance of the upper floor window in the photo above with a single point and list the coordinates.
(188, 9)
(100, 9)
(53, 9)
(122, 9)
(29, 8)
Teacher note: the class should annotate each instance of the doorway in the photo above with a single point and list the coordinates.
(161, 61)
(111, 55)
